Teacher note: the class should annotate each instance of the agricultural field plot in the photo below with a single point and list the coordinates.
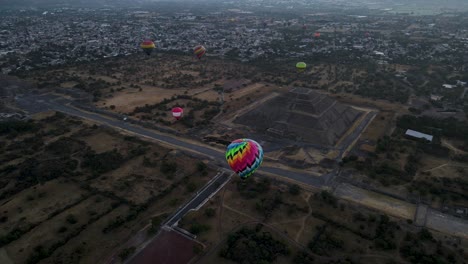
(35, 205)
(56, 230)
(79, 196)
(126, 101)
(315, 227)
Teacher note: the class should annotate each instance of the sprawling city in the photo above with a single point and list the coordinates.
(251, 131)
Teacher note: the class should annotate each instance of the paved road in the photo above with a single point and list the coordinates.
(355, 134)
(464, 93)
(199, 199)
(40, 103)
(209, 190)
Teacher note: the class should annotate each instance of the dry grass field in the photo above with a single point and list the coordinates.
(73, 192)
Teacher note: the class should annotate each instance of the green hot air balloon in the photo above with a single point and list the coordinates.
(301, 66)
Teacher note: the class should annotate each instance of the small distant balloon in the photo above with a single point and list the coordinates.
(301, 66)
(244, 156)
(177, 112)
(199, 51)
(317, 34)
(148, 46)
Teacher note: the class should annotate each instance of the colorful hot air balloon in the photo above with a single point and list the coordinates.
(301, 66)
(147, 46)
(199, 51)
(317, 34)
(244, 156)
(177, 112)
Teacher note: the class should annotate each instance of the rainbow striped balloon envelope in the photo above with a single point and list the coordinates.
(199, 51)
(244, 156)
(147, 46)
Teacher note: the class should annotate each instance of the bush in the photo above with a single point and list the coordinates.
(197, 228)
(125, 253)
(168, 167)
(210, 212)
(294, 189)
(71, 219)
(103, 162)
(190, 187)
(253, 246)
(201, 166)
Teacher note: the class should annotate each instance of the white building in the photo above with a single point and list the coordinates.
(417, 134)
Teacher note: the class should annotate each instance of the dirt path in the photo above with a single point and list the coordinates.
(239, 212)
(4, 258)
(221, 207)
(304, 219)
(447, 144)
(447, 164)
(435, 168)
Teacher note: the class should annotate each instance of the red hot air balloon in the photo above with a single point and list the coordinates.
(317, 34)
(177, 112)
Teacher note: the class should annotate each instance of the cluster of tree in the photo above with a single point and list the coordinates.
(325, 242)
(446, 189)
(384, 165)
(14, 128)
(195, 104)
(156, 223)
(423, 248)
(267, 205)
(197, 228)
(26, 146)
(385, 233)
(303, 257)
(382, 86)
(328, 198)
(127, 252)
(251, 188)
(168, 167)
(103, 162)
(65, 146)
(253, 246)
(448, 127)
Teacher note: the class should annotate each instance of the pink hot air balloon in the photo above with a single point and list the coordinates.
(177, 112)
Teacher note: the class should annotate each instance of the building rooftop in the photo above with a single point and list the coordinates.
(417, 134)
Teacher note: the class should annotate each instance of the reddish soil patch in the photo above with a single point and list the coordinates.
(168, 248)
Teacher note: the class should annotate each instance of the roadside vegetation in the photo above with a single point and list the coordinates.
(69, 187)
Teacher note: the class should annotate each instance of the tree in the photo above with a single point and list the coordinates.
(294, 189)
(127, 252)
(201, 166)
(71, 219)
